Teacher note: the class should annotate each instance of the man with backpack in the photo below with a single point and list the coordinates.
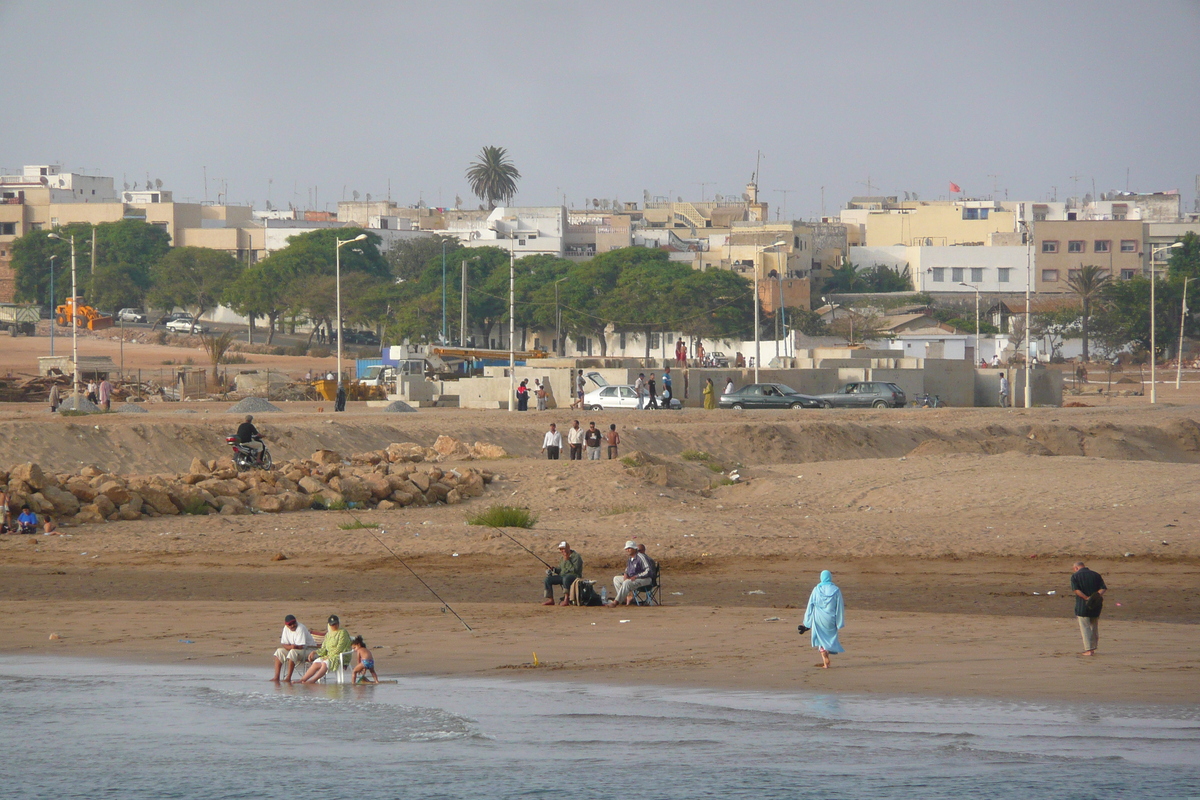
(566, 573)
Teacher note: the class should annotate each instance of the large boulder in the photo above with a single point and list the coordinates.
(64, 503)
(453, 498)
(294, 501)
(401, 498)
(199, 467)
(440, 490)
(38, 503)
(270, 503)
(352, 489)
(471, 484)
(222, 488)
(114, 491)
(104, 506)
(29, 474)
(379, 486)
(158, 499)
(449, 447)
(129, 511)
(327, 457)
(89, 514)
(405, 451)
(310, 485)
(420, 480)
(485, 450)
(231, 505)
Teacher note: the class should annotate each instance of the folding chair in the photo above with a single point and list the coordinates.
(650, 595)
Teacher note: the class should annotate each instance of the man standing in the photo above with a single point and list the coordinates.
(680, 353)
(639, 388)
(575, 439)
(995, 361)
(1089, 592)
(636, 575)
(652, 391)
(292, 644)
(729, 386)
(552, 443)
(1003, 390)
(591, 437)
(668, 388)
(105, 394)
(614, 439)
(566, 573)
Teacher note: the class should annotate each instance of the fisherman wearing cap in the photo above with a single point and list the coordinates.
(566, 573)
(292, 646)
(337, 641)
(637, 574)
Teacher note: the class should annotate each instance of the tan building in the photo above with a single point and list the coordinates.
(928, 223)
(1062, 247)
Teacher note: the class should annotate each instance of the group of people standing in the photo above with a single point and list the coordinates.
(98, 393)
(578, 438)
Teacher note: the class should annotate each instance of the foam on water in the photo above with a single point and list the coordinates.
(83, 729)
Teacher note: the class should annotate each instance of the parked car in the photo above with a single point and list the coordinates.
(359, 337)
(608, 395)
(185, 324)
(131, 315)
(866, 394)
(768, 395)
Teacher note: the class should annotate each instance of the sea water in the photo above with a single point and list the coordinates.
(91, 729)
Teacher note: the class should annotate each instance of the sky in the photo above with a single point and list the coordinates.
(308, 102)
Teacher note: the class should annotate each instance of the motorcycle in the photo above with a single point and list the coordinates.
(244, 457)
(929, 401)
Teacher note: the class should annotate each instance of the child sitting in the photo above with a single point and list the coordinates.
(366, 662)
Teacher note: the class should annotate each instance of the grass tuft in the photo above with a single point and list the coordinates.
(715, 467)
(196, 507)
(357, 525)
(503, 517)
(629, 462)
(695, 455)
(337, 505)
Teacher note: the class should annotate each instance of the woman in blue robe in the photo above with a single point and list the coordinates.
(826, 614)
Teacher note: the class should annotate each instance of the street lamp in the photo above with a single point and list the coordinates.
(1028, 334)
(337, 252)
(74, 325)
(757, 335)
(976, 288)
(444, 340)
(52, 309)
(558, 350)
(512, 324)
(1153, 352)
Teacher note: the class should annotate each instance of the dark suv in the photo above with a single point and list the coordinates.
(866, 394)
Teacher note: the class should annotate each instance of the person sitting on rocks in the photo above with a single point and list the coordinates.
(294, 643)
(566, 573)
(637, 575)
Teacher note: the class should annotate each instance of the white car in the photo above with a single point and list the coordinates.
(185, 325)
(613, 395)
(131, 315)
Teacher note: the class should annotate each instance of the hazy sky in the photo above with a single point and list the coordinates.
(607, 99)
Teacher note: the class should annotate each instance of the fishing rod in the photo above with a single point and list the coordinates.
(410, 569)
(523, 547)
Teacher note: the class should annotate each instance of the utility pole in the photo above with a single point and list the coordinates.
(462, 322)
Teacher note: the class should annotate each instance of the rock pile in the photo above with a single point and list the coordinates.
(384, 479)
(253, 405)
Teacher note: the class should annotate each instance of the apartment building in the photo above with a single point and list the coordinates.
(1063, 247)
(886, 222)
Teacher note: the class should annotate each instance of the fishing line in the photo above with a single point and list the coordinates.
(523, 547)
(410, 569)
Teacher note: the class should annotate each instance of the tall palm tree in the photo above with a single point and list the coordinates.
(1087, 282)
(493, 177)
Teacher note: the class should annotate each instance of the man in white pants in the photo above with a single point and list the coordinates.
(637, 575)
(293, 646)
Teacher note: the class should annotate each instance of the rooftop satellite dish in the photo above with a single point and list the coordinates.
(158, 183)
(127, 186)
(678, 199)
(368, 197)
(354, 194)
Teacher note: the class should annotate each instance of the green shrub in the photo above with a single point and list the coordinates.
(629, 462)
(234, 358)
(318, 352)
(196, 507)
(357, 525)
(503, 517)
(337, 505)
(715, 467)
(695, 455)
(160, 337)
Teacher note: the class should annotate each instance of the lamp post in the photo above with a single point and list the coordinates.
(337, 253)
(558, 349)
(1182, 322)
(1028, 333)
(74, 326)
(512, 322)
(757, 334)
(444, 291)
(976, 289)
(53, 321)
(1153, 350)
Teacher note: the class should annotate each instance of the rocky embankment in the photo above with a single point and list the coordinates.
(402, 474)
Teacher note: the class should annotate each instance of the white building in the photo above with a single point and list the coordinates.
(946, 269)
(65, 187)
(527, 231)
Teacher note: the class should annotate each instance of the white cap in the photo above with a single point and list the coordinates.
(631, 545)
(563, 546)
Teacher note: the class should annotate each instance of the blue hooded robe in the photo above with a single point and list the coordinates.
(826, 613)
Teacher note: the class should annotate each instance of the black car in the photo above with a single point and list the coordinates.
(768, 395)
(866, 394)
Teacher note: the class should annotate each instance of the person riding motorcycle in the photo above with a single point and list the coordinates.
(249, 436)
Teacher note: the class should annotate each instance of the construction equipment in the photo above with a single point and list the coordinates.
(85, 315)
(480, 353)
(19, 319)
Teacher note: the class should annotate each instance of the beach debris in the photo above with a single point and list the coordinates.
(454, 555)
(1049, 593)
(535, 660)
(1129, 555)
(54, 637)
(756, 591)
(677, 594)
(1039, 594)
(771, 619)
(279, 557)
(626, 620)
(398, 407)
(186, 641)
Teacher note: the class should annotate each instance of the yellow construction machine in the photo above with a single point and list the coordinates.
(85, 315)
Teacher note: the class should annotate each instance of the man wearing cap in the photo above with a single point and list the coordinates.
(337, 641)
(566, 573)
(637, 575)
(292, 646)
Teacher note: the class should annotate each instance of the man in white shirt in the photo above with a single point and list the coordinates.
(639, 388)
(552, 443)
(729, 386)
(293, 643)
(575, 439)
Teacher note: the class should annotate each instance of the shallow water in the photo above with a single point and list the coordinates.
(87, 729)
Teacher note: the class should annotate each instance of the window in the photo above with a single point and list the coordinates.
(976, 274)
(939, 274)
(1039, 216)
(956, 274)
(1002, 274)
(621, 339)
(1075, 247)
(1049, 247)
(1049, 276)
(1071, 273)
(8, 229)
(654, 341)
(1102, 245)
(975, 213)
(1120, 211)
(1126, 274)
(608, 391)
(1129, 245)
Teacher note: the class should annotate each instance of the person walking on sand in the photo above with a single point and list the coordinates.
(652, 392)
(710, 400)
(592, 438)
(825, 615)
(614, 439)
(639, 388)
(575, 440)
(55, 397)
(1089, 592)
(105, 394)
(552, 443)
(1003, 390)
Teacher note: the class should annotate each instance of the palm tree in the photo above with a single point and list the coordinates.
(493, 177)
(1087, 282)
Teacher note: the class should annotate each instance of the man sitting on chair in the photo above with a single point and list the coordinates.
(293, 646)
(337, 641)
(566, 573)
(637, 574)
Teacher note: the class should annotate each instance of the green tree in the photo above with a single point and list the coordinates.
(1185, 261)
(194, 278)
(714, 304)
(409, 258)
(844, 279)
(493, 177)
(262, 290)
(807, 322)
(1087, 283)
(116, 286)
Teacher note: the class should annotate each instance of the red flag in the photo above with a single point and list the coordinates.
(954, 187)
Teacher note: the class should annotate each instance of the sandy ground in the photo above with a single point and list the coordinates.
(939, 525)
